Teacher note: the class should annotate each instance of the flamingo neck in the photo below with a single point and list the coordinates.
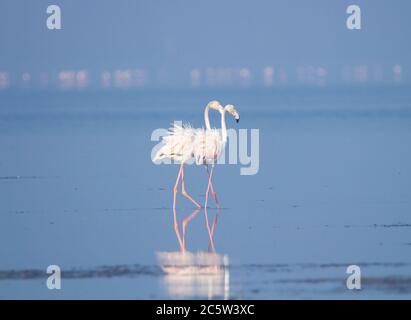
(223, 127)
(206, 118)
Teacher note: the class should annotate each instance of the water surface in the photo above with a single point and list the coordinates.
(78, 189)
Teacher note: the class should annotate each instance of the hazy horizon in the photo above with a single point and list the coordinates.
(226, 43)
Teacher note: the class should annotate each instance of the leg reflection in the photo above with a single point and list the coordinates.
(210, 235)
(177, 231)
(184, 225)
(195, 274)
(213, 227)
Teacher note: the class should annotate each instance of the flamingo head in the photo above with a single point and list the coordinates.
(216, 105)
(233, 111)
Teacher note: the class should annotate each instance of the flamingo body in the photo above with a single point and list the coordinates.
(184, 143)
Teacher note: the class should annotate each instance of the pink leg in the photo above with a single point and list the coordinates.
(185, 223)
(175, 189)
(214, 194)
(183, 189)
(205, 210)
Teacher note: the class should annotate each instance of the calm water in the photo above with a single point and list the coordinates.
(78, 189)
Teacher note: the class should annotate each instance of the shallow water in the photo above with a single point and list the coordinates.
(78, 189)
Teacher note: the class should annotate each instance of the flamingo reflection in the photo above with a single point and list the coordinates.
(210, 230)
(195, 274)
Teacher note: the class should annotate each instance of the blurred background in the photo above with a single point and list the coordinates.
(110, 45)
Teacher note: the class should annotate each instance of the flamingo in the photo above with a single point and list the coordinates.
(205, 146)
(184, 143)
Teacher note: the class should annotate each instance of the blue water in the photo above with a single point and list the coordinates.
(78, 189)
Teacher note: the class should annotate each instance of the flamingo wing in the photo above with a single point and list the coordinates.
(177, 144)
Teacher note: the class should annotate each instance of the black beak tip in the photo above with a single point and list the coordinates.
(237, 120)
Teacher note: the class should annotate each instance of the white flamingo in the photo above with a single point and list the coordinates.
(204, 145)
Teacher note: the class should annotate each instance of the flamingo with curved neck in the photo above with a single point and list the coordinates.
(215, 105)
